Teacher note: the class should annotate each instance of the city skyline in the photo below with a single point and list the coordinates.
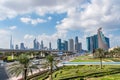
(50, 20)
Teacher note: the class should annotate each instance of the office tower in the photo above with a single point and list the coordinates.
(102, 43)
(79, 47)
(66, 45)
(108, 43)
(71, 45)
(11, 44)
(97, 41)
(42, 45)
(62, 46)
(16, 47)
(50, 48)
(59, 44)
(22, 47)
(76, 43)
(35, 44)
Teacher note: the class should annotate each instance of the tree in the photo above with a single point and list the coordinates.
(23, 66)
(51, 63)
(100, 54)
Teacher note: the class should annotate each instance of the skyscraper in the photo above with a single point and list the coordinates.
(35, 44)
(76, 43)
(66, 45)
(71, 45)
(50, 48)
(59, 44)
(11, 44)
(22, 47)
(42, 45)
(97, 41)
(16, 47)
(102, 41)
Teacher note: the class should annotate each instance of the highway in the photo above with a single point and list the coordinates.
(3, 73)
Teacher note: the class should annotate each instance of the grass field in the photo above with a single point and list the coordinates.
(87, 73)
(91, 59)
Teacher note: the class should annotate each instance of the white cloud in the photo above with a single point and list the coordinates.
(12, 8)
(4, 38)
(28, 36)
(81, 15)
(49, 18)
(12, 27)
(32, 21)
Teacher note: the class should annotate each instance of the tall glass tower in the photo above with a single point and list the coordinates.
(97, 41)
(59, 44)
(102, 40)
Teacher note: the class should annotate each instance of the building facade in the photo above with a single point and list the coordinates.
(71, 45)
(97, 41)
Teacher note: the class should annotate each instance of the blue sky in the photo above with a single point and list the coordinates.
(49, 20)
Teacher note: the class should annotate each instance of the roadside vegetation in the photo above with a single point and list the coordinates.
(87, 72)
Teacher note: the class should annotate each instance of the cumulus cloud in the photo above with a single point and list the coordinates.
(12, 27)
(28, 36)
(49, 18)
(98, 13)
(28, 20)
(12, 8)
(82, 15)
(4, 38)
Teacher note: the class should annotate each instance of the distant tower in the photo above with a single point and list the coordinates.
(35, 44)
(71, 45)
(66, 45)
(50, 48)
(22, 47)
(42, 45)
(16, 47)
(76, 44)
(102, 43)
(11, 44)
(59, 44)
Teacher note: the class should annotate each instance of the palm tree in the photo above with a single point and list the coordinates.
(51, 62)
(23, 66)
(100, 54)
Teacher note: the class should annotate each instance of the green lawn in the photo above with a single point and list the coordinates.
(91, 59)
(87, 73)
(85, 59)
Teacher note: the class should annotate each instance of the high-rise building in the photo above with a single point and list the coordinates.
(50, 48)
(11, 43)
(71, 45)
(79, 47)
(94, 43)
(22, 47)
(59, 44)
(76, 44)
(35, 44)
(16, 47)
(66, 45)
(103, 42)
(42, 45)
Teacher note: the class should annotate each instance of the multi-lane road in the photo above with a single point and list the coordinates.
(3, 73)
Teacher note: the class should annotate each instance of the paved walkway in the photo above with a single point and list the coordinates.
(3, 73)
